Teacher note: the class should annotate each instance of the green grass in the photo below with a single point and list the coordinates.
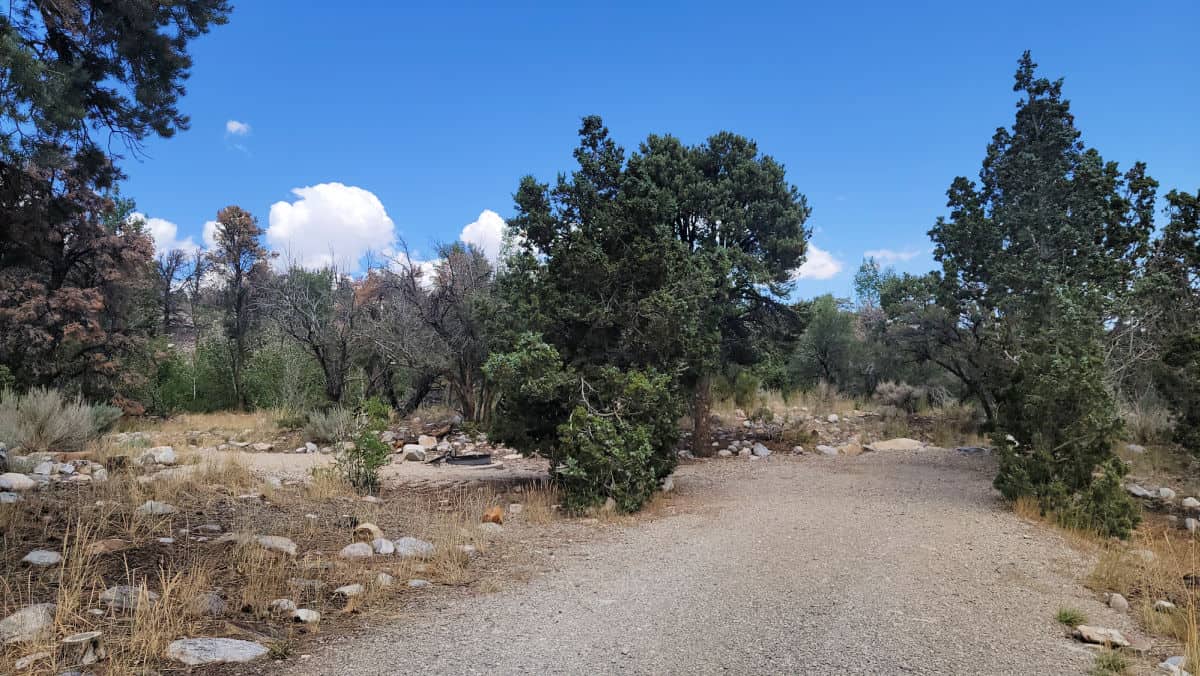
(1070, 617)
(1109, 663)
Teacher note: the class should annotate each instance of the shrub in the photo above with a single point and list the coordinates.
(1070, 617)
(360, 464)
(900, 395)
(376, 414)
(43, 420)
(608, 433)
(330, 426)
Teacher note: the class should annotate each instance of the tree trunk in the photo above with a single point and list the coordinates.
(417, 393)
(701, 408)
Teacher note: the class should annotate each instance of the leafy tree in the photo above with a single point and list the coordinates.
(320, 311)
(1034, 259)
(826, 350)
(241, 262)
(71, 270)
(75, 70)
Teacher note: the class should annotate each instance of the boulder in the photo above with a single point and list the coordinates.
(44, 468)
(1174, 665)
(898, 444)
(358, 550)
(16, 483)
(384, 580)
(1192, 525)
(383, 546)
(797, 450)
(1137, 491)
(155, 508)
(282, 606)
(426, 441)
(29, 624)
(163, 455)
(759, 450)
(277, 543)
(208, 604)
(306, 616)
(1190, 503)
(387, 436)
(410, 548)
(263, 447)
(825, 449)
(1118, 602)
(42, 558)
(1165, 493)
(350, 590)
(724, 453)
(1100, 636)
(1164, 606)
(198, 651)
(310, 447)
(413, 452)
(126, 597)
(832, 418)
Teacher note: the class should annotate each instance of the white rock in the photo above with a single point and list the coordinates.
(1143, 554)
(30, 660)
(426, 441)
(358, 550)
(469, 551)
(15, 482)
(44, 468)
(760, 451)
(798, 450)
(384, 580)
(410, 547)
(516, 508)
(7, 498)
(1100, 636)
(1191, 525)
(387, 436)
(155, 508)
(42, 558)
(383, 546)
(898, 444)
(1118, 602)
(126, 597)
(197, 651)
(306, 616)
(1166, 493)
(163, 455)
(413, 452)
(31, 623)
(1137, 491)
(1135, 448)
(277, 543)
(1164, 606)
(1174, 665)
(1190, 503)
(282, 606)
(668, 484)
(262, 447)
(350, 590)
(825, 449)
(490, 528)
(417, 584)
(832, 417)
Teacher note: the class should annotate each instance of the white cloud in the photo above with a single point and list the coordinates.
(209, 234)
(819, 264)
(165, 234)
(235, 128)
(330, 223)
(891, 255)
(486, 233)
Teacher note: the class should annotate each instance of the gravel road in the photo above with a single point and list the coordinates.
(884, 563)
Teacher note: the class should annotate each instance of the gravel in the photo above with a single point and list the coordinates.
(898, 562)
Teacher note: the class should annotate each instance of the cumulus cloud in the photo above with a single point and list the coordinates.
(235, 128)
(819, 264)
(891, 255)
(486, 233)
(209, 234)
(164, 233)
(330, 223)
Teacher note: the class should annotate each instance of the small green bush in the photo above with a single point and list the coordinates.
(1070, 617)
(43, 420)
(1109, 663)
(376, 414)
(330, 426)
(360, 465)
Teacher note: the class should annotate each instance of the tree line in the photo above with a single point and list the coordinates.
(631, 288)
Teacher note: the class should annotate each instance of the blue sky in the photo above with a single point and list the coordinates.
(428, 116)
